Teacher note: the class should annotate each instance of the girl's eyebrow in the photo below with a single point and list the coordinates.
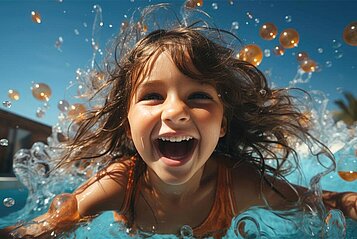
(149, 83)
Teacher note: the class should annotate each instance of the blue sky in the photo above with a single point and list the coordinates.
(28, 53)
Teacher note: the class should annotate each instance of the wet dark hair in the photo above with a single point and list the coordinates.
(262, 123)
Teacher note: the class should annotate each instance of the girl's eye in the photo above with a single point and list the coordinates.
(152, 96)
(200, 96)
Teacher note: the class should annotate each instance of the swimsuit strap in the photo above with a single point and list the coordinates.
(223, 210)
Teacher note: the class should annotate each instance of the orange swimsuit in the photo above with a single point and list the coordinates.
(218, 220)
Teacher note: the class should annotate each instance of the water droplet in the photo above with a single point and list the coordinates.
(59, 43)
(288, 18)
(9, 202)
(262, 92)
(235, 25)
(215, 6)
(110, 25)
(339, 89)
(76, 32)
(4, 142)
(231, 2)
(328, 64)
(267, 53)
(85, 24)
(63, 105)
(320, 50)
(6, 103)
(257, 21)
(40, 112)
(186, 231)
(249, 15)
(336, 44)
(338, 54)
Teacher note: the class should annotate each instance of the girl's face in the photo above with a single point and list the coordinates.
(175, 122)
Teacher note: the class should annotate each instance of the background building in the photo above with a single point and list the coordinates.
(20, 132)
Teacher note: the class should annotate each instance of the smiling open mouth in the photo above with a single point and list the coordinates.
(176, 150)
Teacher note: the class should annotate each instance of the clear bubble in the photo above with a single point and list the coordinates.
(4, 142)
(9, 202)
(110, 25)
(320, 50)
(186, 231)
(214, 6)
(262, 92)
(235, 25)
(336, 44)
(76, 32)
(338, 53)
(231, 2)
(85, 24)
(249, 15)
(288, 18)
(63, 105)
(6, 104)
(40, 113)
(267, 53)
(58, 43)
(339, 89)
(257, 21)
(328, 64)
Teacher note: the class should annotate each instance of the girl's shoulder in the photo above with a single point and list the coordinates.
(105, 190)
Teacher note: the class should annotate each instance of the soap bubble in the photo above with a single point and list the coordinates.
(36, 17)
(186, 231)
(41, 91)
(6, 104)
(252, 54)
(9, 202)
(13, 94)
(289, 38)
(350, 34)
(268, 31)
(214, 6)
(4, 142)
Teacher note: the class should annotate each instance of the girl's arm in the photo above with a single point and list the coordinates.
(105, 191)
(248, 189)
(344, 201)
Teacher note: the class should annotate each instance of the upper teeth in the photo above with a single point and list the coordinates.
(176, 138)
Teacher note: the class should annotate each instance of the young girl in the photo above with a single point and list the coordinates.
(188, 127)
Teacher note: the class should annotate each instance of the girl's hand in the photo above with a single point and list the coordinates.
(346, 202)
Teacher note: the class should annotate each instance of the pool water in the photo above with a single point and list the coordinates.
(258, 223)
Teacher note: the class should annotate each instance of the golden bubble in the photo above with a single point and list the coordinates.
(252, 54)
(64, 208)
(268, 31)
(194, 3)
(289, 38)
(13, 94)
(279, 50)
(41, 91)
(76, 112)
(350, 34)
(348, 175)
(308, 65)
(302, 56)
(36, 17)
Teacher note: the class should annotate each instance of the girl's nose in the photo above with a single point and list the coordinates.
(176, 112)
